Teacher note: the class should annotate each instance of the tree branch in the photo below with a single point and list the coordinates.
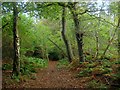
(102, 19)
(5, 25)
(23, 8)
(70, 5)
(86, 11)
(56, 46)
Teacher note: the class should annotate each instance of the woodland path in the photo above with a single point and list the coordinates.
(54, 78)
(51, 77)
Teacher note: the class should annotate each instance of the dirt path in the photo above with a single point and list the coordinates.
(52, 77)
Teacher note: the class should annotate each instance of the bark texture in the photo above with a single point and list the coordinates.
(67, 44)
(16, 61)
(78, 33)
(119, 30)
(97, 45)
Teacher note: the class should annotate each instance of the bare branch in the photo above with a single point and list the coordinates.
(102, 19)
(57, 46)
(86, 11)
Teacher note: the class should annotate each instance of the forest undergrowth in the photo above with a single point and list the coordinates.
(96, 74)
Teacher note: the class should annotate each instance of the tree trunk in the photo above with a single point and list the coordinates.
(119, 30)
(97, 45)
(16, 61)
(79, 37)
(78, 33)
(68, 49)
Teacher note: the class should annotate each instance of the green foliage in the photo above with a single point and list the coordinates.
(106, 63)
(116, 76)
(95, 68)
(116, 67)
(116, 62)
(49, 12)
(16, 78)
(6, 67)
(96, 84)
(63, 63)
(26, 31)
(7, 36)
(30, 64)
(35, 32)
(86, 72)
(92, 65)
(100, 70)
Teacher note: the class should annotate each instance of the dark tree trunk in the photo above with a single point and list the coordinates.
(79, 37)
(16, 61)
(78, 33)
(68, 49)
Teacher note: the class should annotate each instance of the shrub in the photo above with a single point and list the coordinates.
(63, 63)
(6, 67)
(96, 84)
(30, 64)
(85, 72)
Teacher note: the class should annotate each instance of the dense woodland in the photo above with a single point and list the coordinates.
(61, 44)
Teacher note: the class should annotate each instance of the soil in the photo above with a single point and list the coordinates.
(50, 77)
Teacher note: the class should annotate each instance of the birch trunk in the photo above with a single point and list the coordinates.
(16, 61)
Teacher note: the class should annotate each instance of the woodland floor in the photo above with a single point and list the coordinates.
(50, 77)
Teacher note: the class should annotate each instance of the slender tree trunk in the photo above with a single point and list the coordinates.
(110, 41)
(119, 30)
(64, 54)
(68, 49)
(78, 33)
(97, 45)
(16, 61)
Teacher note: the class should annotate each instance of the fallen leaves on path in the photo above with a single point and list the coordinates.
(52, 77)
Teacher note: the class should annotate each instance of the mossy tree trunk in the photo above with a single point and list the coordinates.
(78, 33)
(63, 32)
(16, 61)
(119, 30)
